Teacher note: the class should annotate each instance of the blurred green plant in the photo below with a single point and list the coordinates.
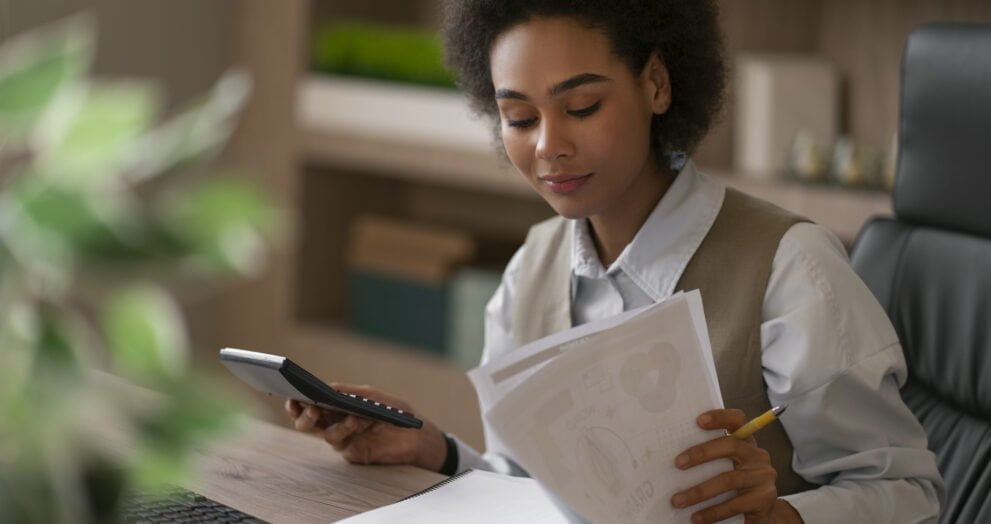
(382, 52)
(99, 208)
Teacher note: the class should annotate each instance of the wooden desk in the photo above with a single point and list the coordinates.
(281, 475)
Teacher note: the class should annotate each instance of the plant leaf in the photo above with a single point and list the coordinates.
(198, 412)
(36, 67)
(225, 219)
(98, 140)
(61, 342)
(200, 129)
(53, 218)
(146, 334)
(41, 259)
(18, 336)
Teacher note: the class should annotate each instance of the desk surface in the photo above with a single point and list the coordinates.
(281, 475)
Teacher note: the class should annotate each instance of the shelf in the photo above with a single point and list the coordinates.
(427, 135)
(842, 211)
(419, 133)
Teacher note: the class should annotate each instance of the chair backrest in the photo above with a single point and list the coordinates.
(930, 266)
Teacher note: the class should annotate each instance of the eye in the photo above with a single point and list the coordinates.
(584, 112)
(521, 124)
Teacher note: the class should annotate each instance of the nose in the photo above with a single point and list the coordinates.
(553, 141)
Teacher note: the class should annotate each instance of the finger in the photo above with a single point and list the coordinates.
(292, 407)
(328, 417)
(307, 420)
(756, 501)
(358, 452)
(738, 480)
(728, 419)
(358, 424)
(324, 417)
(338, 435)
(740, 451)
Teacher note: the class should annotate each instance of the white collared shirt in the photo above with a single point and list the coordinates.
(828, 350)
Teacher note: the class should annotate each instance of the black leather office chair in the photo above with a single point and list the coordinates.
(930, 266)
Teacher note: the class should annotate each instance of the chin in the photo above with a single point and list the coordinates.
(569, 209)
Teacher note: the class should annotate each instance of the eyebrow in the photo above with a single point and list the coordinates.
(560, 87)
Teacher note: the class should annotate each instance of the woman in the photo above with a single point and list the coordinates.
(597, 105)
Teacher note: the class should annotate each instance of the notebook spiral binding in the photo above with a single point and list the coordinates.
(438, 485)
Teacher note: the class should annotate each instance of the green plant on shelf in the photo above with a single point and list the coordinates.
(104, 214)
(382, 52)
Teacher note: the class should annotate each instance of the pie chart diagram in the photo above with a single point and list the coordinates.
(651, 376)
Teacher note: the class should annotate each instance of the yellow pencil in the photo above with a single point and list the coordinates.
(751, 427)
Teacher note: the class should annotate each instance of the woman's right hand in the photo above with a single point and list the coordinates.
(365, 441)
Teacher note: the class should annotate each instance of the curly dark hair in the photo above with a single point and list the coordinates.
(685, 33)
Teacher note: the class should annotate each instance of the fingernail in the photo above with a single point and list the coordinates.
(681, 461)
(679, 500)
(698, 519)
(705, 420)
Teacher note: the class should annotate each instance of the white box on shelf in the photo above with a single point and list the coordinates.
(777, 96)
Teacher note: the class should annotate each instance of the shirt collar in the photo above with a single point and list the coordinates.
(658, 254)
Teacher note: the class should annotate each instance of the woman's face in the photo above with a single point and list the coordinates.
(575, 121)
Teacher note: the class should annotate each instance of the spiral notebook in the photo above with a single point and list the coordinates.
(471, 496)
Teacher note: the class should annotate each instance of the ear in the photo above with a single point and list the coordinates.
(656, 84)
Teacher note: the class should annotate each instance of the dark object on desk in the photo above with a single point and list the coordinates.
(277, 375)
(179, 506)
(930, 266)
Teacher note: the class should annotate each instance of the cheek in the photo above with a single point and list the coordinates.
(621, 140)
(518, 149)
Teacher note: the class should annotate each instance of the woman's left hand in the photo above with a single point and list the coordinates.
(752, 477)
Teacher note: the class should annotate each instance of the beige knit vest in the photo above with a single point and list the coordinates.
(730, 268)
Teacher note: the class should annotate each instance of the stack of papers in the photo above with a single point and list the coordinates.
(598, 413)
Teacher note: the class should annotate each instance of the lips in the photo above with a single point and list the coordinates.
(564, 182)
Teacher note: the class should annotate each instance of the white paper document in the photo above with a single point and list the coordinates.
(597, 414)
(474, 496)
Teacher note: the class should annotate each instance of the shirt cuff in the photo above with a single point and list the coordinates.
(805, 504)
(468, 458)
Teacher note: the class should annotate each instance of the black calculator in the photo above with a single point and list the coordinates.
(277, 375)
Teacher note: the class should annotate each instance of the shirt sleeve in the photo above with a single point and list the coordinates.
(498, 340)
(831, 354)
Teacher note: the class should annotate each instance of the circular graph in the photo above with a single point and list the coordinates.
(651, 376)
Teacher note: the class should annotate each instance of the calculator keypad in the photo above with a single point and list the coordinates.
(377, 404)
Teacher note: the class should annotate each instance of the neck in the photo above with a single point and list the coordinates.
(613, 229)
